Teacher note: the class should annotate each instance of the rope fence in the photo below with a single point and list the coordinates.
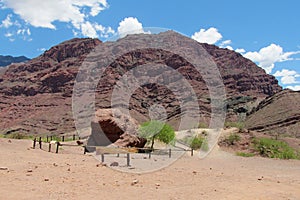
(102, 151)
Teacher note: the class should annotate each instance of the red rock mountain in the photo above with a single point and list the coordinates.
(36, 97)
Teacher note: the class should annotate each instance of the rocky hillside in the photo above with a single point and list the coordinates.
(36, 96)
(278, 114)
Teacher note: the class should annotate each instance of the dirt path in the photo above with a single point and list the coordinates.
(33, 173)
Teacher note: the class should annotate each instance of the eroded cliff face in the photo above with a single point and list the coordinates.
(36, 97)
(278, 114)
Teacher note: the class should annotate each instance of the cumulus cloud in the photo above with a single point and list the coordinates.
(210, 36)
(45, 13)
(240, 50)
(130, 25)
(287, 76)
(294, 87)
(267, 56)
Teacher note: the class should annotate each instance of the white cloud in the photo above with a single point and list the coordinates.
(23, 32)
(226, 42)
(229, 47)
(88, 30)
(288, 80)
(130, 25)
(105, 32)
(240, 50)
(267, 56)
(8, 34)
(41, 49)
(210, 36)
(45, 13)
(294, 87)
(287, 76)
(285, 72)
(6, 23)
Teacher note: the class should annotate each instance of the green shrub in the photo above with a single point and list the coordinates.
(274, 149)
(199, 142)
(243, 154)
(232, 139)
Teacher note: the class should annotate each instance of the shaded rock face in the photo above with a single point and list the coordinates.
(7, 60)
(129, 140)
(110, 126)
(36, 96)
(279, 113)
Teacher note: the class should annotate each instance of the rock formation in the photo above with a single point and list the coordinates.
(110, 126)
(278, 114)
(36, 96)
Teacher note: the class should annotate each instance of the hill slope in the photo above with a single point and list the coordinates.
(279, 113)
(35, 97)
(7, 60)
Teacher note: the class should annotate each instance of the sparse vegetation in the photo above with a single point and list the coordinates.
(244, 154)
(157, 130)
(239, 125)
(197, 142)
(16, 136)
(232, 139)
(202, 125)
(274, 149)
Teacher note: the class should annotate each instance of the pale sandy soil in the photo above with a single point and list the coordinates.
(37, 174)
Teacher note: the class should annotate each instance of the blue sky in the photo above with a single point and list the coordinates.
(265, 31)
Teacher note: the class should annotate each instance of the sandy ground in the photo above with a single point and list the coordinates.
(37, 174)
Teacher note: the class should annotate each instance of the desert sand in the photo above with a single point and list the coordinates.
(28, 173)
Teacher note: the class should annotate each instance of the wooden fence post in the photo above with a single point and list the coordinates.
(49, 150)
(192, 152)
(57, 146)
(40, 142)
(102, 157)
(34, 141)
(169, 153)
(63, 138)
(73, 136)
(128, 159)
(149, 154)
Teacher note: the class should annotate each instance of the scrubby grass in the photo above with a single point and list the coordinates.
(232, 139)
(18, 136)
(275, 149)
(202, 125)
(239, 125)
(244, 154)
(199, 142)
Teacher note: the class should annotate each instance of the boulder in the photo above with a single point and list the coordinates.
(129, 140)
(111, 126)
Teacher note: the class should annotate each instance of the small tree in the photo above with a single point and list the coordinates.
(157, 130)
